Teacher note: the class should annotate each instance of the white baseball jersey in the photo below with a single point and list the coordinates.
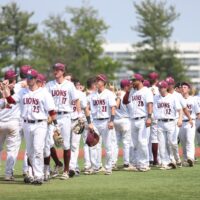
(193, 107)
(180, 98)
(35, 104)
(83, 101)
(18, 86)
(138, 102)
(63, 94)
(122, 111)
(166, 107)
(101, 103)
(9, 111)
(154, 90)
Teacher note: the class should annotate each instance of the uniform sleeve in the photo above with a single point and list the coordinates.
(49, 102)
(73, 93)
(182, 101)
(83, 100)
(149, 96)
(112, 101)
(177, 104)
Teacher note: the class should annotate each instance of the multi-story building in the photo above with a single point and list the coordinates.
(189, 53)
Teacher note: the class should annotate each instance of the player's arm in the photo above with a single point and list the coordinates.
(88, 118)
(180, 117)
(187, 113)
(78, 107)
(112, 117)
(118, 99)
(149, 114)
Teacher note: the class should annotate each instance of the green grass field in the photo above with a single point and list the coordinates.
(183, 183)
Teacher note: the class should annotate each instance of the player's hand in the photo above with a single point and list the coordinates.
(91, 126)
(148, 122)
(179, 123)
(5, 90)
(110, 125)
(191, 122)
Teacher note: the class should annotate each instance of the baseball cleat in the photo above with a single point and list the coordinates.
(172, 165)
(38, 181)
(88, 171)
(64, 176)
(165, 167)
(56, 171)
(179, 164)
(144, 169)
(130, 168)
(71, 173)
(108, 172)
(28, 179)
(190, 162)
(9, 178)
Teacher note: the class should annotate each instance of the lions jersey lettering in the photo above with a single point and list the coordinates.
(138, 102)
(101, 103)
(63, 94)
(166, 107)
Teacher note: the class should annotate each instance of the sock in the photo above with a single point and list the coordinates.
(155, 152)
(67, 156)
(55, 157)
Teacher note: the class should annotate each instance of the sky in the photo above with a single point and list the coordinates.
(120, 16)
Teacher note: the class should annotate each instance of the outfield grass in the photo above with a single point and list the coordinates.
(183, 183)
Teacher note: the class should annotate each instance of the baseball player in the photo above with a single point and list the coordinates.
(187, 132)
(166, 108)
(75, 138)
(141, 104)
(101, 105)
(36, 104)
(10, 127)
(63, 93)
(122, 124)
(171, 83)
(153, 150)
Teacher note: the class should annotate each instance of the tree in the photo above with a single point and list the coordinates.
(77, 42)
(15, 35)
(154, 26)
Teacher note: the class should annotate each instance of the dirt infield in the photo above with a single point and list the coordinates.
(60, 152)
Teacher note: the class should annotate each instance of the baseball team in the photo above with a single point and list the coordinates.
(148, 117)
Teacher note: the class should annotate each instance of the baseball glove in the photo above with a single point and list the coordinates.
(92, 138)
(58, 140)
(78, 127)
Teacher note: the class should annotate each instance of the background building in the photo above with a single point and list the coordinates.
(189, 53)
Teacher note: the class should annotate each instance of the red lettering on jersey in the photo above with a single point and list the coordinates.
(99, 102)
(30, 100)
(136, 98)
(163, 105)
(62, 93)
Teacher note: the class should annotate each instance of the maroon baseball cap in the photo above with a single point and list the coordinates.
(10, 74)
(41, 78)
(102, 77)
(59, 66)
(153, 76)
(124, 83)
(146, 83)
(24, 69)
(162, 84)
(138, 77)
(170, 80)
(31, 73)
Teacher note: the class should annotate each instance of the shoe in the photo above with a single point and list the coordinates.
(77, 173)
(88, 171)
(46, 177)
(130, 168)
(101, 169)
(71, 173)
(57, 170)
(9, 178)
(38, 181)
(108, 172)
(28, 179)
(144, 169)
(155, 164)
(190, 162)
(172, 165)
(165, 167)
(179, 164)
(114, 167)
(64, 176)
(195, 159)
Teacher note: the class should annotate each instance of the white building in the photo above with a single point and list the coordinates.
(189, 54)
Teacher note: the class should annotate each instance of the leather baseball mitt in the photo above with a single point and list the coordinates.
(57, 137)
(78, 127)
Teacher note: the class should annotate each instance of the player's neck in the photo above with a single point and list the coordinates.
(171, 90)
(60, 80)
(140, 86)
(186, 95)
(33, 87)
(164, 94)
(101, 89)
